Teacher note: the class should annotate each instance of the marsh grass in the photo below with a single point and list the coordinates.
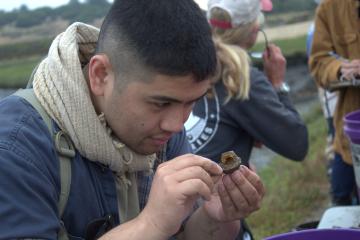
(297, 192)
(15, 73)
(288, 46)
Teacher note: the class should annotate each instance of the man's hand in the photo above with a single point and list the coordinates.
(176, 186)
(237, 195)
(350, 69)
(274, 65)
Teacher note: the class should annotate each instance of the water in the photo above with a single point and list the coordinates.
(256, 55)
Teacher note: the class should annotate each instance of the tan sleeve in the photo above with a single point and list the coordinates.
(323, 67)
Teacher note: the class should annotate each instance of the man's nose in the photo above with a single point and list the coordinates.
(174, 120)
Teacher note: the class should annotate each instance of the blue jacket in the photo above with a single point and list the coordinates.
(30, 179)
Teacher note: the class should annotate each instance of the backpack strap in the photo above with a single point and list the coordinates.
(65, 150)
(29, 95)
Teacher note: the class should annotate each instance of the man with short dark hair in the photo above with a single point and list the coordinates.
(122, 97)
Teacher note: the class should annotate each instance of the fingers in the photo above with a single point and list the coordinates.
(188, 175)
(254, 180)
(247, 191)
(273, 50)
(348, 66)
(274, 68)
(190, 160)
(347, 74)
(194, 187)
(352, 64)
(351, 69)
(228, 205)
(252, 167)
(241, 193)
(266, 54)
(193, 173)
(238, 198)
(274, 59)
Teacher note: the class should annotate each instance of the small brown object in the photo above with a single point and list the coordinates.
(229, 162)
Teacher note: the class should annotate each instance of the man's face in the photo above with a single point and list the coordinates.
(144, 115)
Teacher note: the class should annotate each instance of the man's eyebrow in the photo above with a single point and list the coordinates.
(171, 99)
(195, 100)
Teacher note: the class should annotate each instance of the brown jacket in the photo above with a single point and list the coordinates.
(337, 28)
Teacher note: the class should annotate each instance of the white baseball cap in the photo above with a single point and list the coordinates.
(241, 11)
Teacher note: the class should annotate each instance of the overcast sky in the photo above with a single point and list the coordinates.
(9, 5)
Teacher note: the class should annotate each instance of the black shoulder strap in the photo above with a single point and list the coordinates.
(65, 150)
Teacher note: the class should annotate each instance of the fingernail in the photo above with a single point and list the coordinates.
(219, 169)
(243, 169)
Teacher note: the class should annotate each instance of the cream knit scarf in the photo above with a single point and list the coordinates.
(62, 90)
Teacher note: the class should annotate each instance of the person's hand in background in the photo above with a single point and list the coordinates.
(350, 69)
(274, 65)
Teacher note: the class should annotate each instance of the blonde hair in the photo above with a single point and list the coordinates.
(233, 70)
(233, 62)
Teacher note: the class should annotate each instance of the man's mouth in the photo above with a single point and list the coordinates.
(161, 140)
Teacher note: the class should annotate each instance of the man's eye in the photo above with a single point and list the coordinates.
(161, 104)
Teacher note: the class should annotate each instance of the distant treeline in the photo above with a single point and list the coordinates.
(73, 11)
(92, 9)
(24, 49)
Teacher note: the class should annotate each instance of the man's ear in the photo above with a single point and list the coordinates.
(100, 74)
